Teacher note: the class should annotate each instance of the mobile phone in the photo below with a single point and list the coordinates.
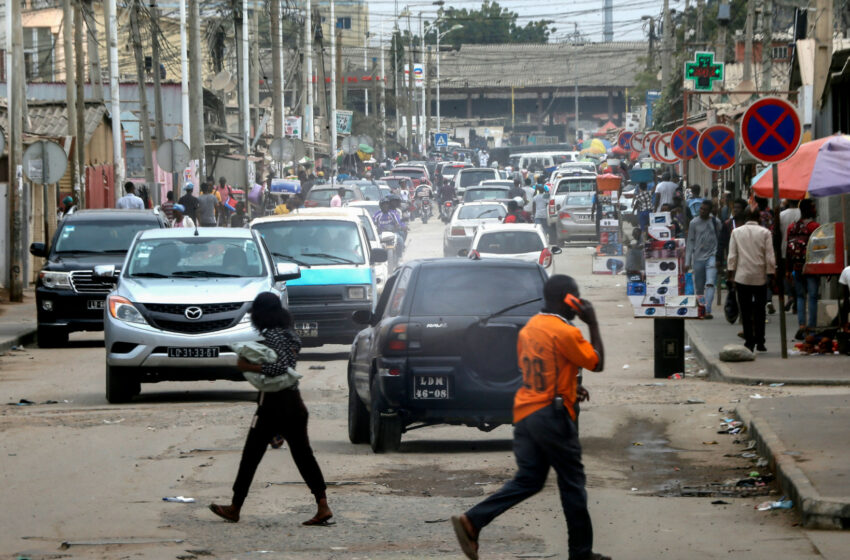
(573, 302)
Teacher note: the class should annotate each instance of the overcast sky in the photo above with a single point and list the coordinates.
(565, 13)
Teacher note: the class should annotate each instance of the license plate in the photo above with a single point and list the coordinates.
(307, 330)
(431, 387)
(192, 352)
(96, 304)
(582, 216)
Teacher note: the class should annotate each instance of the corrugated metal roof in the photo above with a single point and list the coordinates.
(51, 119)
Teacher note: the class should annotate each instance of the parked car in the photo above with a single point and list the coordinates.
(575, 217)
(68, 297)
(471, 176)
(574, 182)
(440, 348)
(338, 273)
(466, 220)
(486, 192)
(180, 301)
(321, 196)
(369, 189)
(525, 242)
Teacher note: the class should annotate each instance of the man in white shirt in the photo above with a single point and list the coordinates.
(751, 265)
(336, 201)
(130, 201)
(665, 191)
(786, 218)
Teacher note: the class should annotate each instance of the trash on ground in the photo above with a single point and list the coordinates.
(776, 385)
(720, 503)
(696, 401)
(327, 483)
(659, 384)
(709, 443)
(113, 421)
(316, 367)
(778, 504)
(688, 348)
(675, 376)
(792, 453)
(756, 396)
(107, 542)
(625, 366)
(441, 520)
(762, 462)
(179, 499)
(636, 443)
(22, 402)
(717, 490)
(535, 555)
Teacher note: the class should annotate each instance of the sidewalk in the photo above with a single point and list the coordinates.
(708, 337)
(17, 321)
(807, 441)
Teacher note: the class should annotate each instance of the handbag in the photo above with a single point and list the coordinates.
(731, 308)
(258, 353)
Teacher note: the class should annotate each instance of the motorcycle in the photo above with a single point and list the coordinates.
(425, 208)
(446, 210)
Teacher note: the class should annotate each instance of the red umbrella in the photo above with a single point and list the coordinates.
(619, 151)
(795, 173)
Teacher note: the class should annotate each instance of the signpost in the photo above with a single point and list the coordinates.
(45, 163)
(703, 71)
(684, 142)
(664, 150)
(647, 141)
(624, 140)
(441, 140)
(716, 147)
(637, 141)
(771, 131)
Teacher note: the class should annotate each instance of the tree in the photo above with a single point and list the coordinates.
(489, 24)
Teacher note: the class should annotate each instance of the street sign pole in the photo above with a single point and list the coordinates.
(780, 263)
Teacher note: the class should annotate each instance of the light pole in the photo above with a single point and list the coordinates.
(440, 36)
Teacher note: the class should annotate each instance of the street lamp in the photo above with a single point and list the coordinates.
(440, 36)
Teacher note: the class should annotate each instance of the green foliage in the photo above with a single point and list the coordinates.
(489, 24)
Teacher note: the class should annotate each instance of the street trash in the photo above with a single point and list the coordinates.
(676, 376)
(113, 421)
(756, 396)
(658, 384)
(110, 542)
(736, 353)
(762, 462)
(792, 453)
(440, 520)
(754, 474)
(709, 443)
(22, 402)
(636, 443)
(720, 503)
(316, 367)
(179, 499)
(749, 455)
(777, 384)
(625, 366)
(778, 504)
(634, 489)
(688, 348)
(696, 401)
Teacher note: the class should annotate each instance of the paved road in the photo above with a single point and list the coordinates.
(83, 471)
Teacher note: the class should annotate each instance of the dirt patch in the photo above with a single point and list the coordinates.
(432, 481)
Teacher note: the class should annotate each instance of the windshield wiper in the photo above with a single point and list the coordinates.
(506, 309)
(291, 258)
(329, 256)
(148, 275)
(204, 273)
(78, 251)
(482, 214)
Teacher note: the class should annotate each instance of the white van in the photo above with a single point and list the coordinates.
(536, 162)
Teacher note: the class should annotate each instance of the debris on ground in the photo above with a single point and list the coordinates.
(316, 367)
(179, 499)
(676, 376)
(779, 504)
(108, 542)
(22, 402)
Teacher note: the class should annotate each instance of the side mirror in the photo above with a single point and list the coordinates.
(362, 317)
(388, 237)
(463, 253)
(286, 271)
(38, 249)
(555, 250)
(379, 256)
(105, 272)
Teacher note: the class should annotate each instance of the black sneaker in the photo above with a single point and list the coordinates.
(750, 348)
(761, 348)
(800, 334)
(770, 308)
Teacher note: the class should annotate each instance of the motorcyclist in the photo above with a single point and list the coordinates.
(388, 219)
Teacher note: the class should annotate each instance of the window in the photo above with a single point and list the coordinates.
(399, 293)
(510, 243)
(315, 242)
(779, 53)
(196, 257)
(100, 237)
(343, 23)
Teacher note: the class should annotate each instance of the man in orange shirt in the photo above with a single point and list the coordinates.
(551, 353)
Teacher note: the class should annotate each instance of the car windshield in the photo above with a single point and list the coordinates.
(577, 185)
(202, 257)
(370, 190)
(469, 178)
(471, 195)
(476, 290)
(481, 212)
(451, 170)
(510, 242)
(325, 195)
(315, 242)
(395, 183)
(413, 173)
(579, 199)
(99, 237)
(562, 158)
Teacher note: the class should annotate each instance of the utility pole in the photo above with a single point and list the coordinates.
(110, 9)
(748, 41)
(277, 69)
(159, 125)
(666, 41)
(332, 115)
(396, 90)
(650, 59)
(422, 124)
(308, 78)
(144, 116)
(383, 94)
(185, 120)
(95, 73)
(365, 69)
(15, 83)
(373, 73)
(767, 45)
(70, 82)
(427, 97)
(411, 90)
(79, 59)
(244, 107)
(255, 68)
(336, 60)
(699, 32)
(196, 91)
(823, 30)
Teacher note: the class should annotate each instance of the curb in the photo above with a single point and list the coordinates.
(719, 371)
(817, 512)
(24, 337)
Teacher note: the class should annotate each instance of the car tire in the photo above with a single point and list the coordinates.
(358, 416)
(51, 337)
(121, 384)
(384, 431)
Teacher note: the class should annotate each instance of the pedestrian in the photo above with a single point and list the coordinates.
(278, 413)
(540, 206)
(737, 218)
(181, 220)
(227, 203)
(702, 253)
(665, 191)
(206, 206)
(168, 205)
(514, 215)
(517, 190)
(750, 267)
(804, 284)
(69, 206)
(336, 201)
(643, 206)
(130, 201)
(238, 219)
(551, 352)
(190, 202)
(695, 201)
(788, 216)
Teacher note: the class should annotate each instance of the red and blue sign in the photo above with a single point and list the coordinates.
(770, 129)
(624, 140)
(716, 147)
(684, 142)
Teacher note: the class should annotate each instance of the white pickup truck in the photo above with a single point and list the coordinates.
(576, 182)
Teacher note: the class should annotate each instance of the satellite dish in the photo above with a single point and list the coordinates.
(350, 144)
(221, 80)
(173, 156)
(231, 85)
(287, 149)
(266, 103)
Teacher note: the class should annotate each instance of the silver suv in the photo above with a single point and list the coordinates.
(182, 298)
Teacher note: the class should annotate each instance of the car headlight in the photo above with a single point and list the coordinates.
(55, 279)
(122, 309)
(357, 292)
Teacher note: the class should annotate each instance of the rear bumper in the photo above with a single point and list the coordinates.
(451, 245)
(568, 229)
(334, 322)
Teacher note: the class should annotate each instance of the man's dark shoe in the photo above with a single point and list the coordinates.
(228, 513)
(741, 334)
(594, 556)
(709, 316)
(770, 308)
(761, 348)
(800, 334)
(750, 347)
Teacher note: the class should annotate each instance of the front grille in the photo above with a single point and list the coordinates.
(84, 282)
(193, 327)
(180, 309)
(314, 299)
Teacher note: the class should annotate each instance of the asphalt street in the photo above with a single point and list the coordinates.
(92, 475)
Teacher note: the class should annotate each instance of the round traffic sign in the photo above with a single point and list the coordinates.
(770, 129)
(44, 162)
(637, 141)
(647, 141)
(716, 147)
(173, 156)
(651, 148)
(624, 140)
(663, 149)
(684, 142)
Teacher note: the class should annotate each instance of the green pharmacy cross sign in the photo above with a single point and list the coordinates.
(704, 71)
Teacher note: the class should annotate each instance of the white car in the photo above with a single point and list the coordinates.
(466, 220)
(525, 242)
(471, 176)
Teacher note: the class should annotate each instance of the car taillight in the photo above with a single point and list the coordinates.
(458, 231)
(545, 258)
(564, 215)
(448, 204)
(398, 337)
(310, 203)
(551, 206)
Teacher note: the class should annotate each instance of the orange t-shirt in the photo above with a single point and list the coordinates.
(548, 346)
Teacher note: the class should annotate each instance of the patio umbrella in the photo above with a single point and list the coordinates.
(595, 146)
(796, 174)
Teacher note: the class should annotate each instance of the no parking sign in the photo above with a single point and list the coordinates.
(770, 129)
(716, 147)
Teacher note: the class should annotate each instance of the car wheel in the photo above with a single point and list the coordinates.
(384, 431)
(51, 337)
(358, 416)
(121, 384)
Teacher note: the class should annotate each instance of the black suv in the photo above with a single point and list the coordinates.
(67, 295)
(440, 348)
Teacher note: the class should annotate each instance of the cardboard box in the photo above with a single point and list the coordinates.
(662, 280)
(636, 289)
(682, 311)
(666, 290)
(649, 312)
(656, 267)
(659, 301)
(615, 249)
(660, 219)
(636, 301)
(608, 265)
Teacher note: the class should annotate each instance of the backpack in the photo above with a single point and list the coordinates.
(798, 240)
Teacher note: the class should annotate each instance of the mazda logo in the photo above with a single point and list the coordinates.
(193, 313)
